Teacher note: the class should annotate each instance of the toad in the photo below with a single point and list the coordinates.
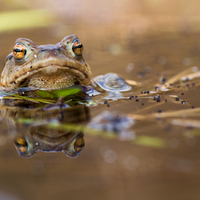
(46, 66)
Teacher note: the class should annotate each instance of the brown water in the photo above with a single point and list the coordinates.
(162, 162)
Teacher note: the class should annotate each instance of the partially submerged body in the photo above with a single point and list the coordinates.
(46, 66)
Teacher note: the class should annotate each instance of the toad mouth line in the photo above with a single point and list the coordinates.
(33, 71)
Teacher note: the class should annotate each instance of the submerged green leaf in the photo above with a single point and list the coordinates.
(59, 93)
(66, 92)
(45, 94)
(74, 95)
(24, 97)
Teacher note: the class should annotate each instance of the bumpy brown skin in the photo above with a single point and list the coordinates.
(46, 66)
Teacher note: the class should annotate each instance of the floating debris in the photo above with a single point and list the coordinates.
(191, 76)
(176, 78)
(164, 89)
(158, 99)
(173, 96)
(132, 82)
(112, 82)
(131, 97)
(163, 80)
(177, 99)
(156, 88)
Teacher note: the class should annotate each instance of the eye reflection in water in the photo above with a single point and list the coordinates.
(70, 144)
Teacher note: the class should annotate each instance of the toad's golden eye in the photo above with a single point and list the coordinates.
(79, 144)
(77, 47)
(19, 51)
(21, 144)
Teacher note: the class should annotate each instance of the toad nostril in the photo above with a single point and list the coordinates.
(77, 83)
(42, 50)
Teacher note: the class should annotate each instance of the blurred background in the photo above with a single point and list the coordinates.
(114, 33)
(141, 40)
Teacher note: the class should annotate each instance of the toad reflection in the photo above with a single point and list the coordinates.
(36, 136)
(71, 144)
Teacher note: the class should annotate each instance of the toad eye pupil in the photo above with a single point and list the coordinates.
(77, 47)
(19, 51)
